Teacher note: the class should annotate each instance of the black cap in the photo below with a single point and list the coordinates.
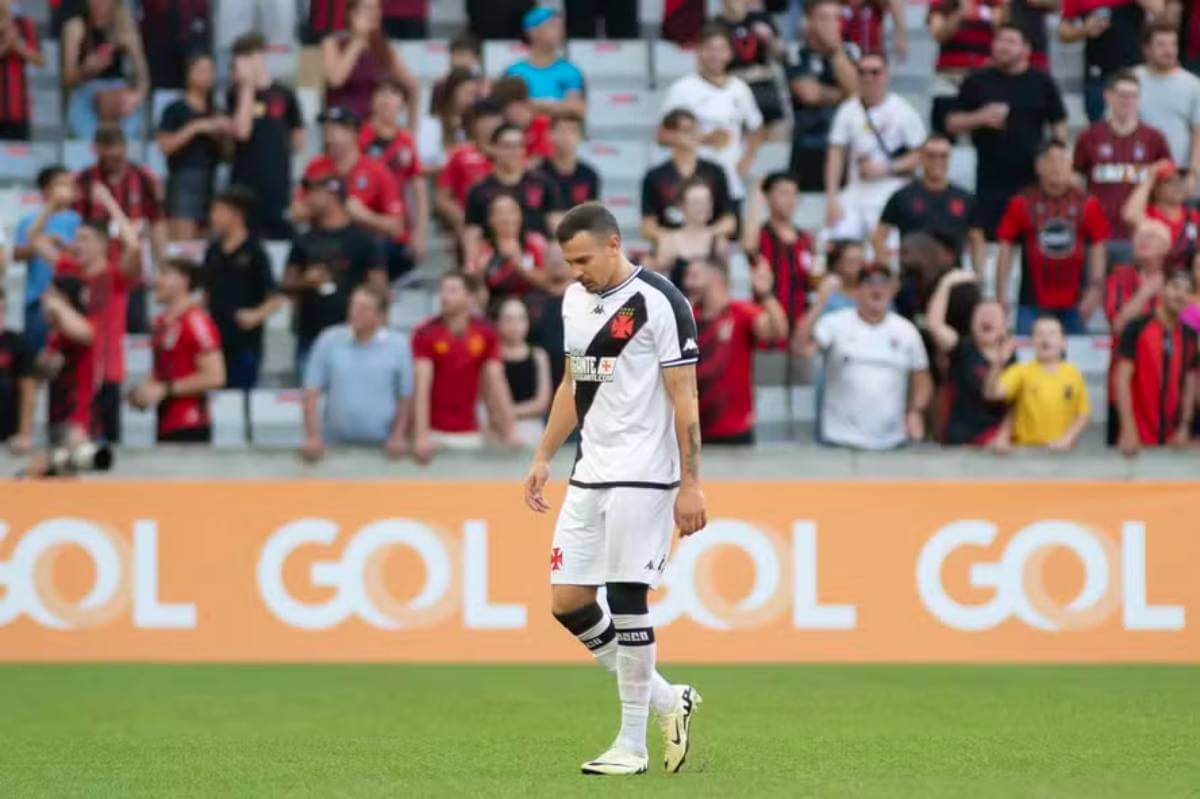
(338, 116)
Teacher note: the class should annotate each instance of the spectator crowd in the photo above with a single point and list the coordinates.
(904, 287)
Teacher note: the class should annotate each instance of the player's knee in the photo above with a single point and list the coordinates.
(628, 599)
(577, 618)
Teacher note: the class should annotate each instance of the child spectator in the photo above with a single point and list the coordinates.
(240, 290)
(695, 239)
(467, 165)
(365, 373)
(18, 386)
(537, 194)
(510, 259)
(971, 415)
(98, 46)
(357, 60)
(779, 244)
(526, 370)
(457, 363)
(660, 185)
(108, 270)
(56, 218)
(728, 332)
(187, 360)
(555, 84)
(577, 181)
(512, 95)
(1048, 395)
(1156, 372)
(267, 129)
(18, 47)
(192, 135)
(1161, 195)
(382, 139)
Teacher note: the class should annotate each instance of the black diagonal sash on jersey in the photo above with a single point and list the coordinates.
(617, 331)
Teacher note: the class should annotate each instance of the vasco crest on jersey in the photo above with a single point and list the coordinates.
(622, 324)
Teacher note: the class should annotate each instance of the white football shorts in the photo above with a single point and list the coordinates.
(612, 535)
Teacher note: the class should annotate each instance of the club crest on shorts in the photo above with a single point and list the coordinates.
(556, 559)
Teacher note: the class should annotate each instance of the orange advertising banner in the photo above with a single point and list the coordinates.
(444, 571)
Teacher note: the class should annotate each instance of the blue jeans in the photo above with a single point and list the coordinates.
(82, 120)
(36, 327)
(1093, 98)
(1072, 322)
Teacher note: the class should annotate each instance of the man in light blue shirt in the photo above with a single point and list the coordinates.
(555, 84)
(58, 191)
(365, 372)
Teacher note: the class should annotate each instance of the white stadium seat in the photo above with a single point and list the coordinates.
(623, 109)
(139, 356)
(427, 60)
(603, 62)
(138, 428)
(499, 54)
(228, 410)
(78, 154)
(310, 101)
(626, 207)
(45, 107)
(671, 61)
(616, 159)
(21, 161)
(276, 417)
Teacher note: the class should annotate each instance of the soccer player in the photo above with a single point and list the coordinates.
(630, 386)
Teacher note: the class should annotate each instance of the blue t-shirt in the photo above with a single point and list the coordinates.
(39, 272)
(362, 383)
(551, 82)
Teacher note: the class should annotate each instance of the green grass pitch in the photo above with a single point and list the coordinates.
(487, 732)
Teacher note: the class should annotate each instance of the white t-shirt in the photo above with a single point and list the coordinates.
(1171, 103)
(867, 370)
(899, 126)
(730, 107)
(618, 344)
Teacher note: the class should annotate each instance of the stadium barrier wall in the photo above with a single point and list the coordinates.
(458, 571)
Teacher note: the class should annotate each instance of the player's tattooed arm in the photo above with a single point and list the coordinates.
(680, 382)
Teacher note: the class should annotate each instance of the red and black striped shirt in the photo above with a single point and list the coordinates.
(325, 17)
(971, 45)
(136, 191)
(1162, 357)
(14, 87)
(790, 263)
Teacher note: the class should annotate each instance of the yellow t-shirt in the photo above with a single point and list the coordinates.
(1046, 402)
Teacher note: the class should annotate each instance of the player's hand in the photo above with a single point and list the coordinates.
(690, 514)
(535, 482)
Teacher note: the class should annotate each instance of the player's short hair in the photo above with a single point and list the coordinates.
(506, 127)
(249, 44)
(775, 178)
(1014, 28)
(509, 90)
(1121, 76)
(675, 116)
(590, 217)
(49, 174)
(1154, 29)
(239, 197)
(376, 293)
(190, 270)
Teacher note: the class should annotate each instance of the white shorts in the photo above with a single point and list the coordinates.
(612, 535)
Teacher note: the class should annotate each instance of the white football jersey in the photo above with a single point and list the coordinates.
(618, 342)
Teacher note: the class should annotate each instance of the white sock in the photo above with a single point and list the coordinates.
(635, 675)
(601, 640)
